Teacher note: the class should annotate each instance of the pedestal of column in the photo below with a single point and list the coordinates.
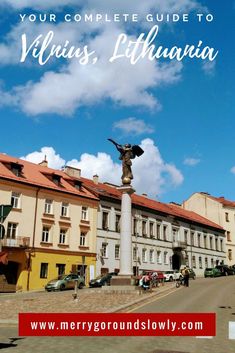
(126, 269)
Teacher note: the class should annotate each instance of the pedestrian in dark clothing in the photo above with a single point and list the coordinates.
(186, 277)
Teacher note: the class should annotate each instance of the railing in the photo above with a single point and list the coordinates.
(17, 242)
(179, 244)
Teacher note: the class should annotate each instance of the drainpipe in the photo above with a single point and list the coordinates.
(34, 235)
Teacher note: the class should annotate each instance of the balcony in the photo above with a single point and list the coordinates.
(179, 245)
(18, 242)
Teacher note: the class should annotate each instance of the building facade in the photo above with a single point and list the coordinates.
(51, 228)
(220, 211)
(164, 236)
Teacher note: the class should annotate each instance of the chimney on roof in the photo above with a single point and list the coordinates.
(144, 194)
(72, 171)
(96, 179)
(44, 163)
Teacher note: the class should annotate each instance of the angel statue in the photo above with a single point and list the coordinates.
(127, 152)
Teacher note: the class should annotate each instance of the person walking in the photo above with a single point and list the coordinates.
(186, 277)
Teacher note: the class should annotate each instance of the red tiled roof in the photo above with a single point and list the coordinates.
(143, 201)
(223, 201)
(37, 175)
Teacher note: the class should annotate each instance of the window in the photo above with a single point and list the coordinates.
(226, 217)
(65, 209)
(43, 270)
(205, 241)
(199, 240)
(192, 238)
(159, 257)
(175, 232)
(48, 206)
(84, 213)
(16, 169)
(135, 252)
(230, 254)
(211, 243)
(117, 223)
(228, 236)
(15, 200)
(45, 234)
(151, 229)
(212, 262)
(144, 255)
(144, 228)
(206, 262)
(151, 256)
(216, 244)
(62, 238)
(165, 258)
(221, 245)
(82, 241)
(200, 261)
(135, 226)
(165, 233)
(12, 230)
(158, 231)
(186, 237)
(186, 261)
(105, 219)
(104, 250)
(194, 262)
(61, 269)
(117, 252)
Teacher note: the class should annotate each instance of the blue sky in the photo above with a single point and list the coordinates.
(182, 113)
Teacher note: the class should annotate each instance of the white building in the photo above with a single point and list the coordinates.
(220, 211)
(164, 236)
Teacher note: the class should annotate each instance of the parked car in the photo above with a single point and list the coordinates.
(192, 274)
(65, 282)
(172, 275)
(225, 270)
(102, 280)
(212, 272)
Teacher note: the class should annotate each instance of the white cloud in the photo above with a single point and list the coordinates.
(232, 170)
(191, 161)
(133, 126)
(209, 67)
(152, 174)
(54, 160)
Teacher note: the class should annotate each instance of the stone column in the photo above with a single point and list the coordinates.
(126, 270)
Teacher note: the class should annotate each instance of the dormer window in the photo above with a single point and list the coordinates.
(56, 179)
(16, 169)
(77, 185)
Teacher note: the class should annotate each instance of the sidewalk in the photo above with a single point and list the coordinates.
(89, 300)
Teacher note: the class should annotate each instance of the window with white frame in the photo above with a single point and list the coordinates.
(200, 262)
(158, 231)
(151, 229)
(135, 226)
(104, 250)
(82, 241)
(159, 257)
(221, 245)
(165, 257)
(144, 255)
(199, 240)
(206, 262)
(211, 243)
(117, 251)
(65, 209)
(84, 213)
(175, 232)
(117, 223)
(63, 236)
(192, 238)
(135, 252)
(151, 256)
(165, 232)
(186, 236)
(205, 241)
(216, 244)
(15, 200)
(48, 209)
(230, 254)
(144, 228)
(212, 262)
(194, 261)
(105, 220)
(12, 230)
(45, 234)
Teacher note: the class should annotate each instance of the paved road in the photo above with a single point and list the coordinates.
(203, 295)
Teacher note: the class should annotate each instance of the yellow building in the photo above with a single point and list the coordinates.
(51, 228)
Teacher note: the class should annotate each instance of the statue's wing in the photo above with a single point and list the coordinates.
(137, 150)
